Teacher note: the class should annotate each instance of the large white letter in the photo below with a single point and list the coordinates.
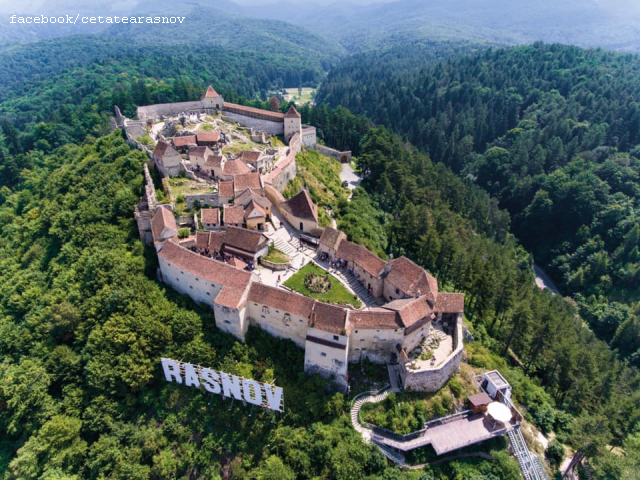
(171, 370)
(231, 384)
(254, 397)
(190, 376)
(211, 379)
(274, 397)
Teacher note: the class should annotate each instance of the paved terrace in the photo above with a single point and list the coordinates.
(452, 435)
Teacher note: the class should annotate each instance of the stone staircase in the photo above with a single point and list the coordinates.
(367, 397)
(358, 288)
(285, 247)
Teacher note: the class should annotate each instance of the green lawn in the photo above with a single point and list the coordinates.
(336, 295)
(276, 256)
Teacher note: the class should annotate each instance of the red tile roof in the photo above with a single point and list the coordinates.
(236, 262)
(184, 141)
(329, 318)
(161, 148)
(250, 156)
(412, 279)
(201, 152)
(232, 214)
(254, 112)
(247, 240)
(225, 189)
(254, 207)
(208, 137)
(211, 93)
(282, 300)
(249, 180)
(213, 161)
(449, 303)
(377, 319)
(162, 219)
(301, 206)
(292, 113)
(234, 282)
(331, 238)
(248, 195)
(210, 216)
(235, 167)
(352, 252)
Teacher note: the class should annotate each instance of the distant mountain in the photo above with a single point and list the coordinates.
(611, 24)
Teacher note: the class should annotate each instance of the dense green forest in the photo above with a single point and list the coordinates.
(83, 323)
(552, 132)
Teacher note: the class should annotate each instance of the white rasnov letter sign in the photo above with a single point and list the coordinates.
(227, 385)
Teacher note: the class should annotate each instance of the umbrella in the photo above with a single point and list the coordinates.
(499, 412)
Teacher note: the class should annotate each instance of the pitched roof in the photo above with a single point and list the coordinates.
(329, 318)
(244, 239)
(248, 195)
(202, 152)
(211, 93)
(202, 240)
(249, 156)
(235, 167)
(254, 112)
(412, 279)
(184, 141)
(236, 262)
(253, 210)
(301, 206)
(161, 148)
(369, 261)
(292, 113)
(289, 302)
(249, 180)
(208, 136)
(449, 303)
(331, 237)
(213, 161)
(225, 189)
(162, 220)
(415, 311)
(373, 320)
(232, 214)
(234, 281)
(210, 216)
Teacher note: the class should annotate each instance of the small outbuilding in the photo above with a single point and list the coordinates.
(479, 402)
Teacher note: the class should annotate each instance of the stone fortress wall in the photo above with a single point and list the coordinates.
(332, 336)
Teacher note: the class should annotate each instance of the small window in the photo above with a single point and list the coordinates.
(225, 310)
(336, 337)
(322, 354)
(397, 291)
(362, 339)
(197, 279)
(357, 349)
(227, 322)
(265, 309)
(287, 318)
(181, 272)
(177, 279)
(191, 287)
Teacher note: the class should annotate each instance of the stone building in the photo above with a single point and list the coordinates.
(167, 159)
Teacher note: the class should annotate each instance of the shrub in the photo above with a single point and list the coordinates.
(183, 233)
(555, 453)
(456, 387)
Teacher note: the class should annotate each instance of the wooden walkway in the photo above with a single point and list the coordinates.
(450, 436)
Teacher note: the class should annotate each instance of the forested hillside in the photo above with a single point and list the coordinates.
(552, 132)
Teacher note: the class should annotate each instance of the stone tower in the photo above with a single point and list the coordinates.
(212, 99)
(292, 123)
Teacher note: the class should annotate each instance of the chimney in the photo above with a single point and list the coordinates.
(418, 294)
(387, 267)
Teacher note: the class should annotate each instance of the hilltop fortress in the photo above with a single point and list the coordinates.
(215, 266)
